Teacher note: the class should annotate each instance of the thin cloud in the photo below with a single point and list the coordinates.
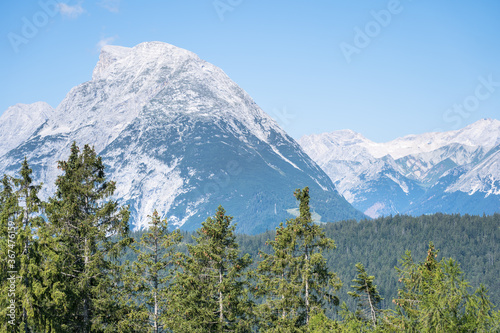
(111, 5)
(105, 41)
(71, 12)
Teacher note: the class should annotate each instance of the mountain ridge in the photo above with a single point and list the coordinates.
(376, 177)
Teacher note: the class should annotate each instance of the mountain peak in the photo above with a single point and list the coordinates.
(340, 136)
(178, 135)
(348, 136)
(488, 121)
(484, 123)
(115, 58)
(484, 132)
(21, 109)
(110, 54)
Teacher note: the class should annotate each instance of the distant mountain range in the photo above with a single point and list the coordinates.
(177, 135)
(449, 172)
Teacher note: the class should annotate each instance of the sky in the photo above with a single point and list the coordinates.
(384, 69)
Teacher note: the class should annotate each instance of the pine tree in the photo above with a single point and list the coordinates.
(435, 298)
(31, 225)
(209, 291)
(480, 315)
(91, 231)
(318, 282)
(23, 214)
(145, 279)
(279, 283)
(10, 311)
(295, 278)
(366, 295)
(7, 190)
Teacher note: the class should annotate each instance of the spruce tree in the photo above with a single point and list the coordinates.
(295, 278)
(10, 311)
(91, 231)
(7, 190)
(319, 284)
(435, 298)
(21, 211)
(30, 231)
(209, 291)
(367, 296)
(279, 283)
(146, 279)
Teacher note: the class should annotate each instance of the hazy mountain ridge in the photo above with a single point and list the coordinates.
(179, 136)
(418, 174)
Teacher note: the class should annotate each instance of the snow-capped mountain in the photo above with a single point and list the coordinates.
(20, 121)
(178, 136)
(452, 172)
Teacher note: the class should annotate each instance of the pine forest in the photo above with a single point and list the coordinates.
(71, 264)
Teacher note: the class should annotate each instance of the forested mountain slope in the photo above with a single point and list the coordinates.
(379, 244)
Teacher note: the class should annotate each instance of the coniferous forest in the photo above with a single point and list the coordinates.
(71, 264)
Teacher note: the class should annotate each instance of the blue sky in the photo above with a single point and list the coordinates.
(381, 68)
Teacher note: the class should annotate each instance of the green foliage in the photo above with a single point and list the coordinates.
(435, 298)
(280, 283)
(146, 279)
(320, 323)
(82, 264)
(366, 295)
(294, 279)
(209, 292)
(10, 249)
(23, 243)
(353, 323)
(474, 241)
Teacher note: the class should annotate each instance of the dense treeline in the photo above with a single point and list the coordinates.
(473, 241)
(71, 265)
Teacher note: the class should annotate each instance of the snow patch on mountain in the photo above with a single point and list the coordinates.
(400, 183)
(20, 121)
(484, 177)
(284, 158)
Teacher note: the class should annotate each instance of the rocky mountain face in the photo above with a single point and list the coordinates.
(177, 135)
(449, 172)
(20, 121)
